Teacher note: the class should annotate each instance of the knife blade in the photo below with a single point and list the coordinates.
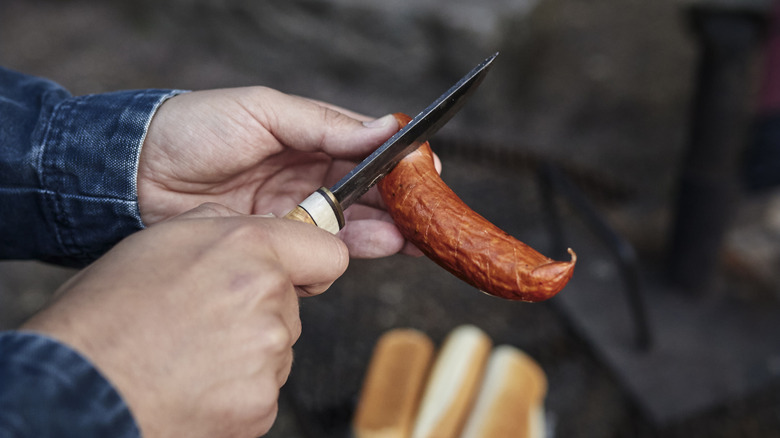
(325, 207)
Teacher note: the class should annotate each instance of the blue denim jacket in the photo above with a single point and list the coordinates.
(68, 170)
(48, 390)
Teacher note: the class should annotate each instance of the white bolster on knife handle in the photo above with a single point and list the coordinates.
(321, 209)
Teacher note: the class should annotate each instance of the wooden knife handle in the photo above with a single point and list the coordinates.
(321, 209)
(299, 214)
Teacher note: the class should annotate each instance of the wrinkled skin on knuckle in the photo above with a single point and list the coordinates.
(276, 282)
(270, 408)
(276, 337)
(258, 410)
(295, 330)
(250, 411)
(430, 215)
(245, 231)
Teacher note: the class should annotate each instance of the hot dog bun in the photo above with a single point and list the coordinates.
(393, 385)
(453, 383)
(511, 399)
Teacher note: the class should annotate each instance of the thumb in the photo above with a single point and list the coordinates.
(311, 126)
(313, 257)
(353, 139)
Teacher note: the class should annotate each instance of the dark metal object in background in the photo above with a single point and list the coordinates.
(553, 181)
(709, 182)
(705, 352)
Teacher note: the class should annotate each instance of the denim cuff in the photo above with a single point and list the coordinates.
(48, 389)
(88, 169)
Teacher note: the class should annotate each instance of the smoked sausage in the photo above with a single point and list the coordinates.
(430, 215)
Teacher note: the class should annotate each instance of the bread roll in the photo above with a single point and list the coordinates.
(393, 385)
(511, 399)
(452, 384)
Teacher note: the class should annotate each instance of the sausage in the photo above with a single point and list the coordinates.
(431, 216)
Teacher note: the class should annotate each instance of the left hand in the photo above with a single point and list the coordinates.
(260, 151)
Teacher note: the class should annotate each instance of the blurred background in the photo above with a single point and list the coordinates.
(624, 129)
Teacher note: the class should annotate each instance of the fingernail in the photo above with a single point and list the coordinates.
(381, 122)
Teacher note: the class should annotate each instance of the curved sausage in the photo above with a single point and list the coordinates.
(430, 215)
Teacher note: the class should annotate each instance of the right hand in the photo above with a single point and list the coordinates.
(193, 319)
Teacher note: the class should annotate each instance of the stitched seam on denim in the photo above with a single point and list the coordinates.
(140, 145)
(25, 190)
(51, 137)
(63, 119)
(67, 196)
(63, 216)
(54, 147)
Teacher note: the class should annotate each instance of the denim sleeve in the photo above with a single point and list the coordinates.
(49, 390)
(68, 167)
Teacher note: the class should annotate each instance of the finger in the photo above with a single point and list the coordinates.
(265, 408)
(372, 238)
(372, 198)
(350, 113)
(275, 335)
(308, 126)
(362, 213)
(312, 257)
(207, 210)
(411, 250)
(284, 371)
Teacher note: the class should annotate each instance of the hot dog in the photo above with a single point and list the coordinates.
(453, 383)
(393, 385)
(510, 403)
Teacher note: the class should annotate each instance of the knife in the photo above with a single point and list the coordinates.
(325, 207)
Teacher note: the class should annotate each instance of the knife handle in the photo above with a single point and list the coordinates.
(321, 209)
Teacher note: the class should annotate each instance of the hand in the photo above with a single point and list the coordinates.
(259, 151)
(193, 319)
